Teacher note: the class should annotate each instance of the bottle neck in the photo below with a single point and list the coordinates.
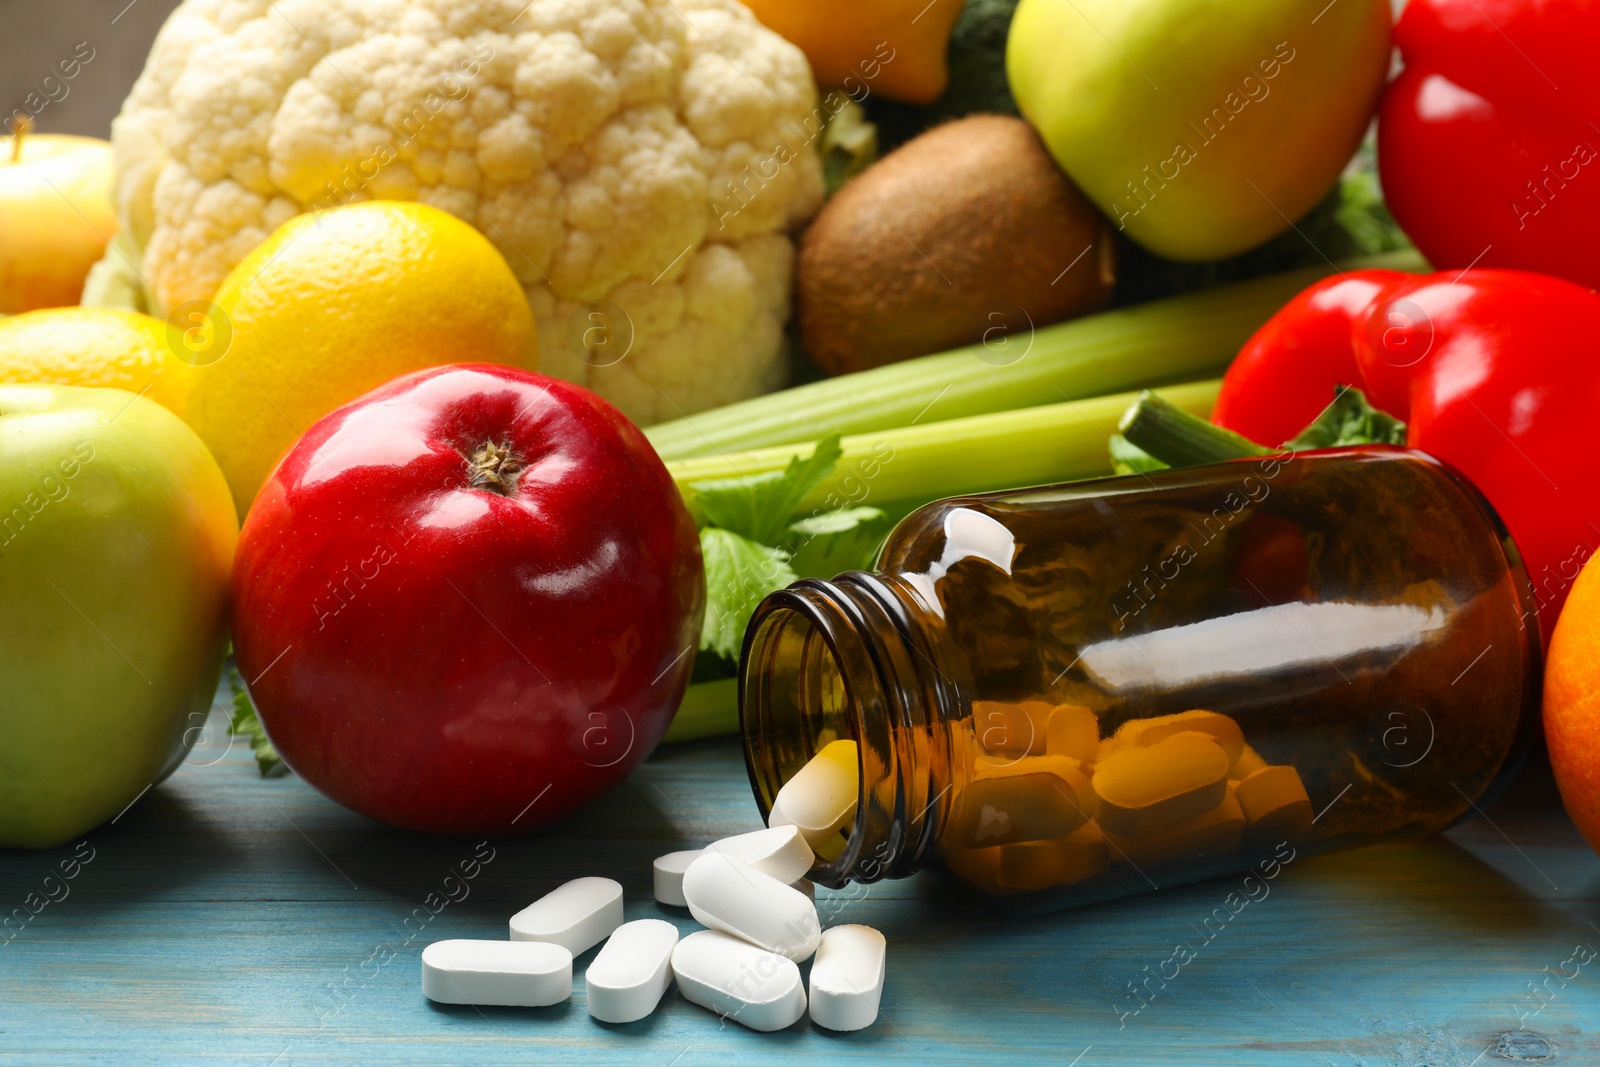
(851, 659)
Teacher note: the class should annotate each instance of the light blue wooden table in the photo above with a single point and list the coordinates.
(227, 919)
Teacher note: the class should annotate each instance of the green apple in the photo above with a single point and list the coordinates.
(116, 540)
(1200, 127)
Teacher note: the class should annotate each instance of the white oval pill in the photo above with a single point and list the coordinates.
(669, 875)
(517, 974)
(631, 972)
(739, 981)
(729, 895)
(780, 851)
(822, 796)
(576, 916)
(847, 978)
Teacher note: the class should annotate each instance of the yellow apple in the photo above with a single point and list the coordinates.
(55, 217)
(1200, 127)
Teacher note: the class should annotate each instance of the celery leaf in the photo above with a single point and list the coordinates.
(836, 541)
(739, 573)
(246, 723)
(759, 506)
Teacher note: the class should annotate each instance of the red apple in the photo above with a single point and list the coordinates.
(468, 601)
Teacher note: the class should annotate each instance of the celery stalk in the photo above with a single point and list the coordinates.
(709, 709)
(1033, 446)
(1184, 337)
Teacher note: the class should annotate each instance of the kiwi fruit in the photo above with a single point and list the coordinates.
(966, 234)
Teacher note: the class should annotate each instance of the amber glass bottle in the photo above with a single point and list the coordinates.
(1066, 694)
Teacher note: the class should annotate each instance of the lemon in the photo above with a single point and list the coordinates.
(332, 305)
(95, 347)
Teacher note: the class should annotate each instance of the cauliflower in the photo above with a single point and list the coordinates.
(639, 163)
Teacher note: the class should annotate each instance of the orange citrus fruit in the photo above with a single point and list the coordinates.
(331, 306)
(894, 48)
(95, 347)
(1572, 703)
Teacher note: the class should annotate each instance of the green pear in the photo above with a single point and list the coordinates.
(1200, 128)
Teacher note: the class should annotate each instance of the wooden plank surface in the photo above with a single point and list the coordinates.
(227, 919)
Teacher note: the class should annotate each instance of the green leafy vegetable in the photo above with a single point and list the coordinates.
(739, 572)
(115, 281)
(749, 539)
(836, 541)
(1361, 213)
(849, 143)
(245, 723)
(759, 506)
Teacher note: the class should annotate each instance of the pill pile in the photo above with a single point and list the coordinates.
(1052, 803)
(751, 894)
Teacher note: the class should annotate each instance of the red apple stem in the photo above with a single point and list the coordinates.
(494, 467)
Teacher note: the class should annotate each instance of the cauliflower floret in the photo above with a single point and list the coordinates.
(639, 163)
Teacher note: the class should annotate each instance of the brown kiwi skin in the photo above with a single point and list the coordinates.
(962, 235)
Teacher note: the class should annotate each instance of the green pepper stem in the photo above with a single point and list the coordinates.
(1180, 439)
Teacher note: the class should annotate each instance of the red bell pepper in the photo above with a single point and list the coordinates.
(1491, 372)
(1488, 144)
(1280, 379)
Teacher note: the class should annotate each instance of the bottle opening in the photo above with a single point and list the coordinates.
(839, 660)
(794, 698)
